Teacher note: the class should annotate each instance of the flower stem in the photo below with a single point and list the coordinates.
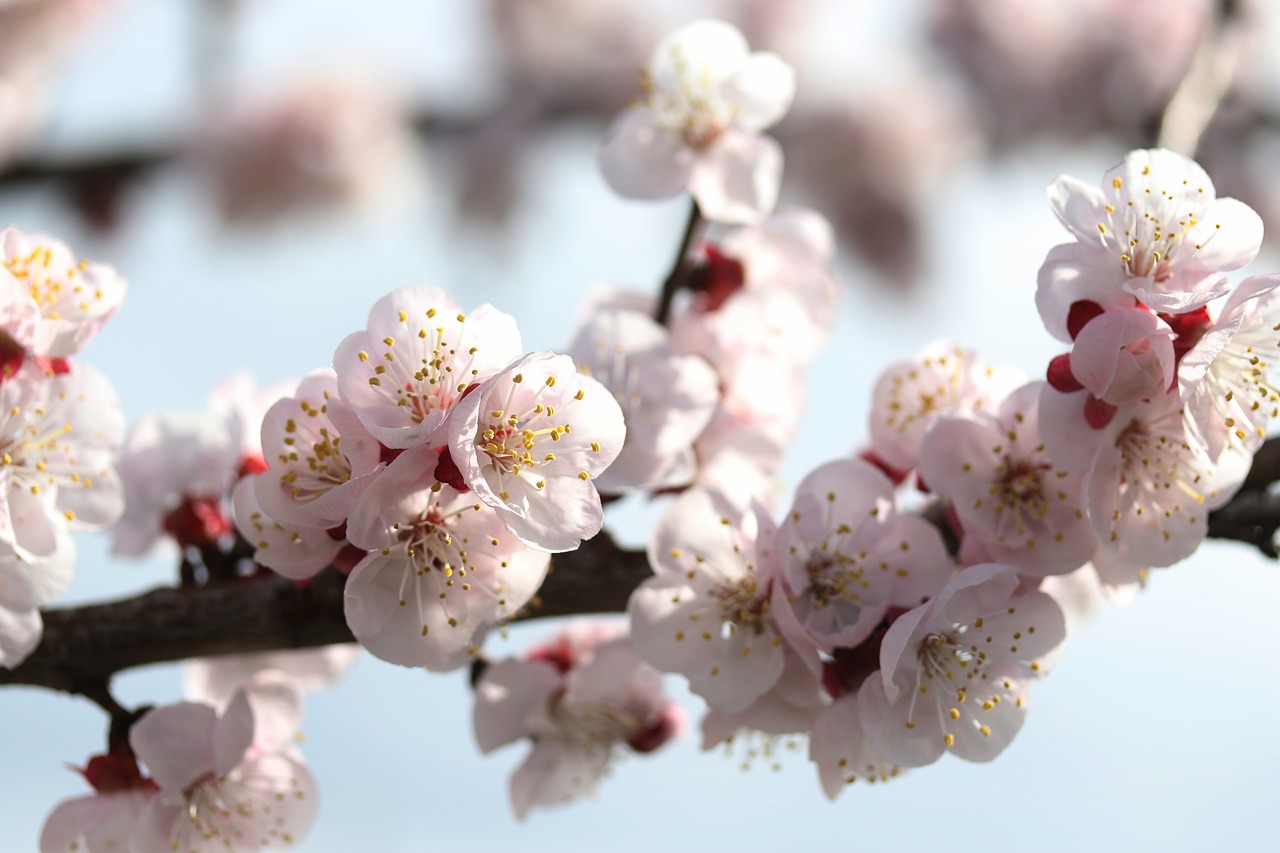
(683, 265)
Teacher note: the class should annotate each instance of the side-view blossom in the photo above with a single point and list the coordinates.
(26, 585)
(291, 550)
(954, 672)
(217, 790)
(104, 821)
(911, 395)
(840, 748)
(319, 456)
(581, 699)
(706, 100)
(530, 440)
(667, 399)
(74, 298)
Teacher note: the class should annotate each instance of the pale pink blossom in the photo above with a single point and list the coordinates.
(788, 708)
(1005, 490)
(241, 402)
(845, 555)
(416, 358)
(74, 297)
(320, 457)
(177, 468)
(1227, 380)
(910, 396)
(580, 702)
(218, 792)
(1148, 483)
(442, 568)
(291, 550)
(104, 821)
(698, 128)
(954, 672)
(706, 612)
(1154, 232)
(58, 435)
(667, 399)
(530, 440)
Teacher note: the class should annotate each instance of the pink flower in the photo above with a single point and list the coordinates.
(667, 400)
(217, 792)
(320, 458)
(706, 100)
(580, 700)
(706, 612)
(442, 568)
(417, 357)
(1154, 233)
(1124, 355)
(291, 550)
(839, 746)
(1010, 499)
(73, 298)
(844, 555)
(104, 821)
(954, 672)
(530, 440)
(910, 396)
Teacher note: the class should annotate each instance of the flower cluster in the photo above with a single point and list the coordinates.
(60, 425)
(440, 466)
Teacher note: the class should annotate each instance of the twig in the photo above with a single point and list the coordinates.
(684, 263)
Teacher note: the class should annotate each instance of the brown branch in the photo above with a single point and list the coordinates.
(683, 265)
(83, 647)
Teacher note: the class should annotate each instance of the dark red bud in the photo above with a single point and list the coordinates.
(717, 277)
(199, 522)
(447, 471)
(1059, 375)
(1080, 315)
(666, 727)
(1097, 413)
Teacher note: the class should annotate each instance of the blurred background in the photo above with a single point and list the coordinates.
(263, 170)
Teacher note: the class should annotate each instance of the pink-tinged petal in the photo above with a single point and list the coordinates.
(99, 823)
(1124, 356)
(1227, 236)
(512, 701)
(770, 714)
(26, 584)
(20, 632)
(897, 640)
(1074, 272)
(737, 180)
(176, 743)
(284, 797)
(763, 90)
(292, 551)
(554, 773)
(1199, 293)
(640, 159)
(400, 491)
(233, 733)
(915, 745)
(1078, 206)
(839, 746)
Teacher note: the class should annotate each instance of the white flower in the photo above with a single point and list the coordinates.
(954, 671)
(1153, 233)
(442, 568)
(667, 400)
(706, 100)
(530, 440)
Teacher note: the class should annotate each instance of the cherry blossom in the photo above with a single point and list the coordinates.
(1010, 499)
(910, 396)
(839, 746)
(74, 298)
(216, 791)
(105, 821)
(667, 400)
(845, 555)
(580, 700)
(706, 613)
(530, 440)
(417, 357)
(1124, 355)
(57, 438)
(319, 456)
(1226, 378)
(442, 568)
(1154, 233)
(787, 708)
(706, 100)
(954, 672)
